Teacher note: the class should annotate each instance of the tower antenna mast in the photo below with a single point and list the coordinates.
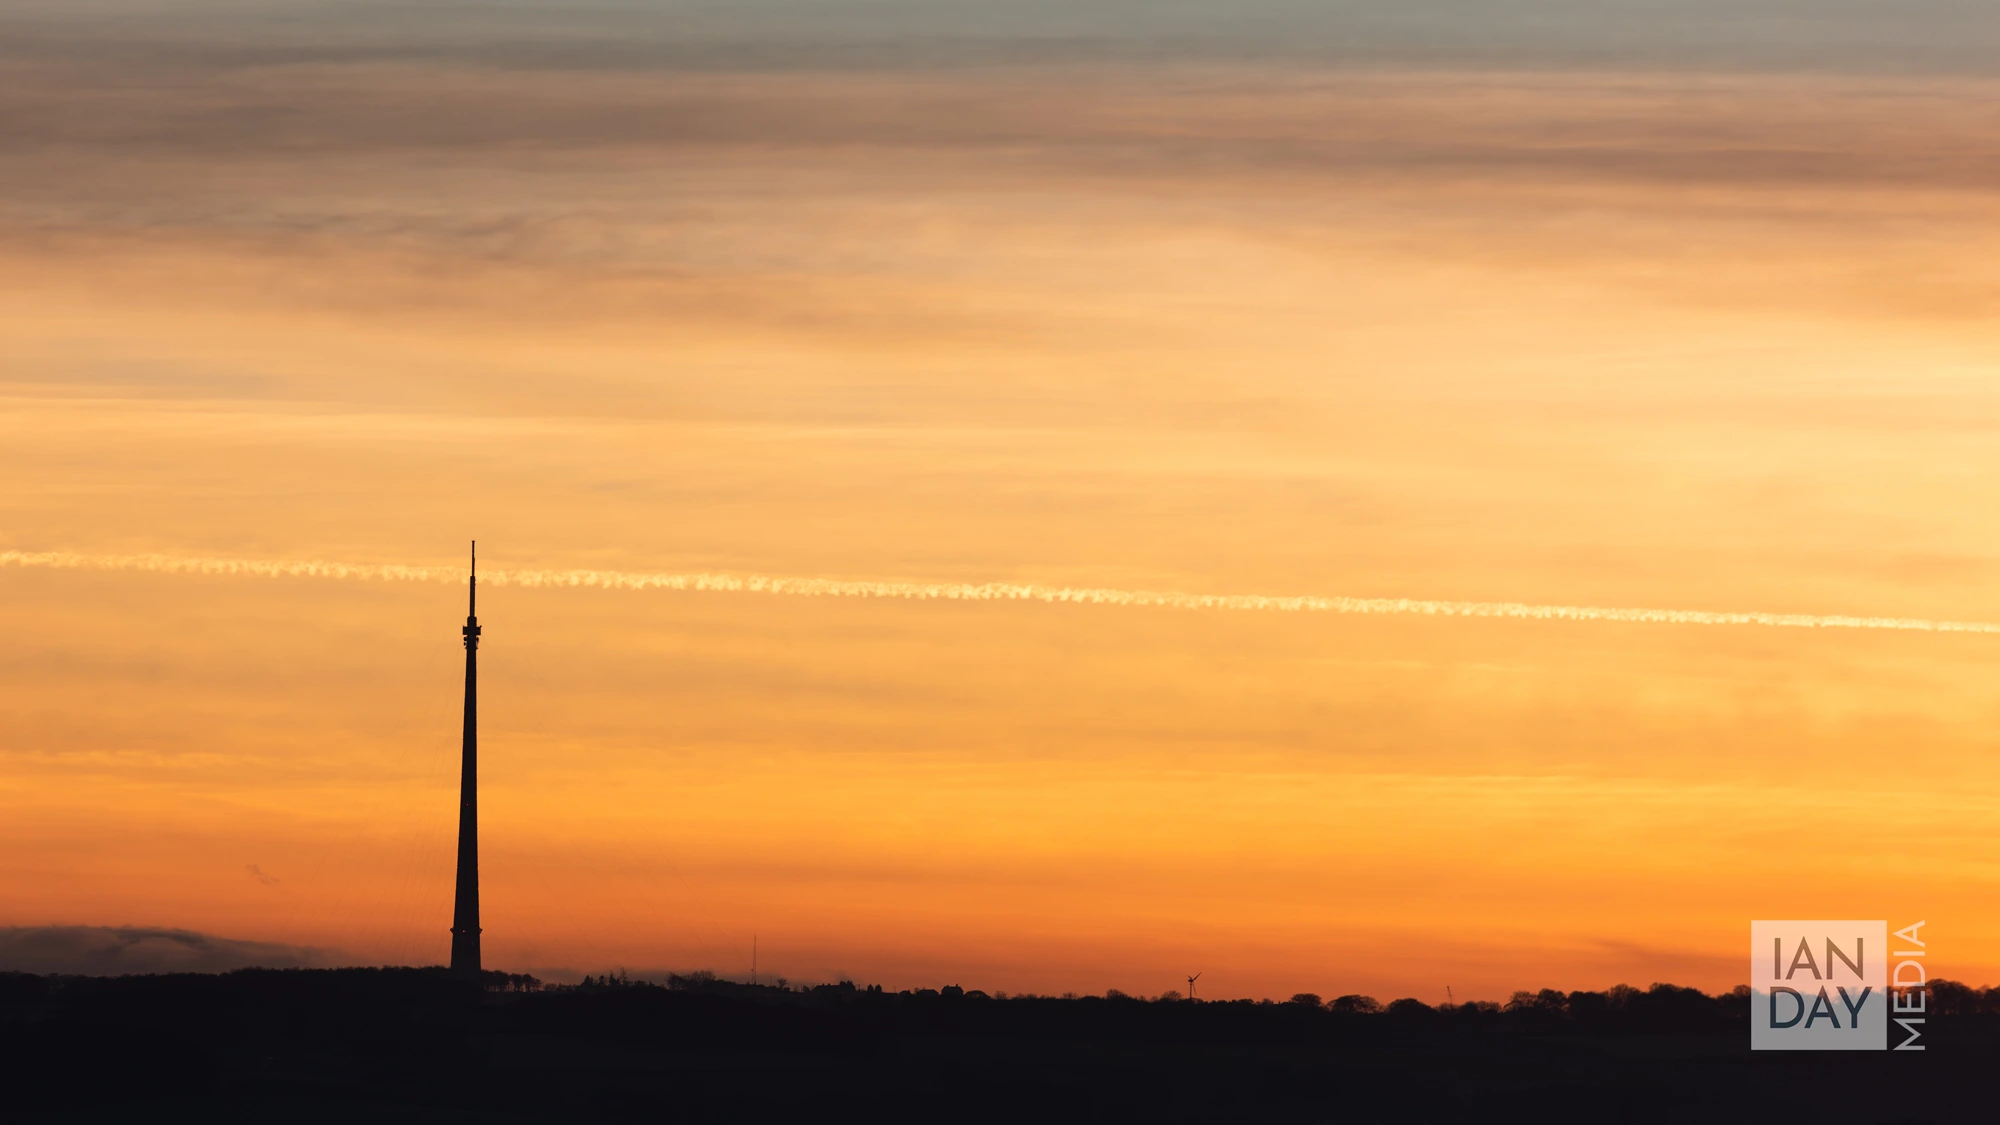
(465, 909)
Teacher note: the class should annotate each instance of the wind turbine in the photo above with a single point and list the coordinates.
(1191, 981)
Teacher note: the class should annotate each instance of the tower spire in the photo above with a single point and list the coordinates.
(465, 910)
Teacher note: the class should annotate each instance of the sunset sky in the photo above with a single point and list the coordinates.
(1688, 305)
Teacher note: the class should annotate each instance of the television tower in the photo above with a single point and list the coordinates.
(465, 912)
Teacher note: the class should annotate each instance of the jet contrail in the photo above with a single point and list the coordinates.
(963, 591)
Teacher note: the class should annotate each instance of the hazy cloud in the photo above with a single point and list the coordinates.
(1854, 34)
(120, 950)
(357, 124)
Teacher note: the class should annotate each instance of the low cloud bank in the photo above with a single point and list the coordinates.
(119, 950)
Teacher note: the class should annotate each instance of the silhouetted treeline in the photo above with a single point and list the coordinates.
(1622, 1009)
(417, 1045)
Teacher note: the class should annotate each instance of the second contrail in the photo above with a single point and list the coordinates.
(963, 591)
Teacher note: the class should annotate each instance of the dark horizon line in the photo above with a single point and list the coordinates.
(702, 978)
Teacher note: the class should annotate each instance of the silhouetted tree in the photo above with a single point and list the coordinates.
(1950, 998)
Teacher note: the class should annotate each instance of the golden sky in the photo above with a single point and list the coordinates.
(1590, 329)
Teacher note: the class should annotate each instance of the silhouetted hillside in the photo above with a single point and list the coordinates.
(415, 1045)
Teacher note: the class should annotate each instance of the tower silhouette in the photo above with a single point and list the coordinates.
(465, 911)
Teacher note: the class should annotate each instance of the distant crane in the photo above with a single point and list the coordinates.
(1191, 981)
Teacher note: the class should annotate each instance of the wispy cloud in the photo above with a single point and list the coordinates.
(967, 592)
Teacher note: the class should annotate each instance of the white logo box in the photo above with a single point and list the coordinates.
(1819, 985)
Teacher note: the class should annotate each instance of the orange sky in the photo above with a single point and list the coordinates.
(1707, 340)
